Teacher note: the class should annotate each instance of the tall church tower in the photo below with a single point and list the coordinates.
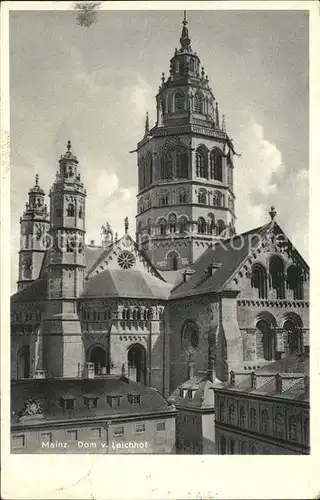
(62, 339)
(185, 196)
(34, 225)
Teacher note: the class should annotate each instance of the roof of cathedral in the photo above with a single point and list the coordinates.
(126, 283)
(292, 371)
(37, 291)
(92, 254)
(229, 254)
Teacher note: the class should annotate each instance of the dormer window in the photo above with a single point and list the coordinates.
(67, 402)
(114, 401)
(90, 401)
(134, 399)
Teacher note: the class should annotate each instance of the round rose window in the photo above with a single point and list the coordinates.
(126, 260)
(190, 336)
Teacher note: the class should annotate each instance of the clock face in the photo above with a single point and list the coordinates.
(126, 259)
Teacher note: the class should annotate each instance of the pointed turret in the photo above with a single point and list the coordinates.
(34, 225)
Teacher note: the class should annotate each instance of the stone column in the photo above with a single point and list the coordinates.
(280, 341)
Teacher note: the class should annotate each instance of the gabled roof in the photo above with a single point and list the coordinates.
(126, 283)
(230, 253)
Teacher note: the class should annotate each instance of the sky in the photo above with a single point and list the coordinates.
(94, 85)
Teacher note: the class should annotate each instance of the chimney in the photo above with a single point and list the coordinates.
(191, 369)
(186, 274)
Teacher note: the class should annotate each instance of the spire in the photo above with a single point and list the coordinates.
(126, 225)
(223, 123)
(37, 179)
(184, 39)
(146, 127)
(272, 213)
(69, 145)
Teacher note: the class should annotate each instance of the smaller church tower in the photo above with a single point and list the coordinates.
(65, 269)
(34, 225)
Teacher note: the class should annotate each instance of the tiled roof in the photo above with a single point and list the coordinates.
(126, 283)
(37, 291)
(202, 395)
(292, 370)
(92, 254)
(49, 391)
(229, 253)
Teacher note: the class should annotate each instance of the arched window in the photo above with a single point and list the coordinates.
(163, 226)
(294, 336)
(182, 197)
(220, 227)
(217, 199)
(80, 211)
(172, 219)
(198, 103)
(278, 425)
(164, 200)
(293, 434)
(166, 168)
(211, 224)
(202, 197)
(179, 101)
(142, 173)
(182, 164)
(191, 65)
(216, 165)
(223, 445)
(259, 280)
(202, 163)
(232, 414)
(295, 281)
(202, 226)
(276, 271)
(148, 170)
(149, 226)
(172, 260)
(265, 421)
(183, 224)
(70, 210)
(268, 339)
(253, 418)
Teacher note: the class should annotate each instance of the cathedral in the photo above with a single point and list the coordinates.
(187, 294)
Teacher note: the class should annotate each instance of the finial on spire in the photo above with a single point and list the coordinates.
(184, 39)
(37, 179)
(69, 145)
(146, 127)
(126, 225)
(272, 213)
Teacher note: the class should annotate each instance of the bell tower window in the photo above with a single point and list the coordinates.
(201, 163)
(70, 210)
(179, 101)
(198, 103)
(216, 165)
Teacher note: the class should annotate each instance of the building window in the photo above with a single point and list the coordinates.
(198, 103)
(202, 163)
(220, 227)
(241, 417)
(253, 450)
(295, 281)
(18, 441)
(72, 435)
(202, 198)
(216, 165)
(182, 164)
(118, 431)
(265, 421)
(95, 433)
(294, 336)
(80, 212)
(166, 167)
(293, 434)
(67, 403)
(243, 448)
(134, 399)
(217, 199)
(268, 339)
(279, 425)
(114, 400)
(276, 271)
(259, 280)
(46, 436)
(222, 412)
(70, 210)
(90, 402)
(183, 197)
(202, 226)
(183, 224)
(232, 414)
(140, 428)
(161, 426)
(179, 100)
(253, 418)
